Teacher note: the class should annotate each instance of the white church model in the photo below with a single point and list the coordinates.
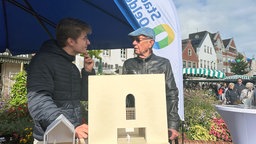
(127, 109)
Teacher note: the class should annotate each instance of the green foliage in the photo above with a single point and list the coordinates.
(95, 53)
(199, 109)
(239, 66)
(198, 132)
(199, 115)
(19, 90)
(15, 119)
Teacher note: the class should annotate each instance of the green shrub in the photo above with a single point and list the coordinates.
(199, 111)
(19, 90)
(15, 119)
(198, 132)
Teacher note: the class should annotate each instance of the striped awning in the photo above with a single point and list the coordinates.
(203, 72)
(235, 77)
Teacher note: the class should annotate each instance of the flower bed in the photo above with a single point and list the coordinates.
(202, 122)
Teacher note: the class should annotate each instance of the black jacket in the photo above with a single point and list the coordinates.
(55, 86)
(157, 65)
(231, 96)
(239, 88)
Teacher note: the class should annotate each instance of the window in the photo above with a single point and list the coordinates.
(189, 52)
(106, 52)
(194, 65)
(184, 64)
(130, 107)
(123, 53)
(189, 64)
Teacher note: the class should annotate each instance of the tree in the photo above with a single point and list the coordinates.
(95, 53)
(239, 66)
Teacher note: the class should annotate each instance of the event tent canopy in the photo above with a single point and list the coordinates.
(25, 25)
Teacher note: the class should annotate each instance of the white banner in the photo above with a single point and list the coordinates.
(161, 16)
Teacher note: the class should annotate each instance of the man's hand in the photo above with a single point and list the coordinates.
(82, 131)
(88, 62)
(174, 133)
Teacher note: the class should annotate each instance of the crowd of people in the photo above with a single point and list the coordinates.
(229, 93)
(237, 93)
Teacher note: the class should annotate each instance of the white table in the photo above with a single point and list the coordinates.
(240, 121)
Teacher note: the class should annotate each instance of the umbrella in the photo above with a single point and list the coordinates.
(24, 24)
(203, 72)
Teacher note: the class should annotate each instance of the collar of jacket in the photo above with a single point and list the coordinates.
(146, 59)
(51, 46)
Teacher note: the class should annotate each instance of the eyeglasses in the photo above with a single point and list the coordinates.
(138, 40)
(85, 37)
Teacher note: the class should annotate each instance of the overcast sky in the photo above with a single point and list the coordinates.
(231, 18)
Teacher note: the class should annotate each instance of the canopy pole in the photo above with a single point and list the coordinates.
(38, 19)
(6, 26)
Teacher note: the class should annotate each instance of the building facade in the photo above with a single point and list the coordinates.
(9, 67)
(204, 49)
(189, 56)
(229, 54)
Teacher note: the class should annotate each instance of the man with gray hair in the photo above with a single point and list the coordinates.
(147, 62)
(247, 94)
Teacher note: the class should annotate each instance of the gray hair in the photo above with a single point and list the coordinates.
(249, 85)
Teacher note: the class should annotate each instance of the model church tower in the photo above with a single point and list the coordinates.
(127, 109)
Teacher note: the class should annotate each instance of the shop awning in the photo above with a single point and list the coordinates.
(203, 72)
(235, 77)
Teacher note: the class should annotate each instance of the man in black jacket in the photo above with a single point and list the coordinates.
(239, 86)
(55, 85)
(148, 63)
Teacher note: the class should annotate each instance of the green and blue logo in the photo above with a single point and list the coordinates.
(167, 40)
